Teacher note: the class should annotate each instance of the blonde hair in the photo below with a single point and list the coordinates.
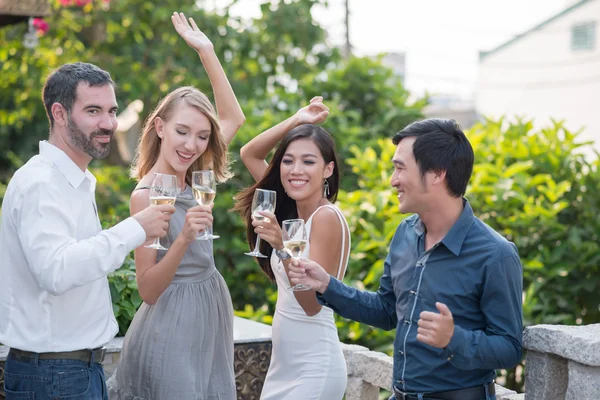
(215, 157)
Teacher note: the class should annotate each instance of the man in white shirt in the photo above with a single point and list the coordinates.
(55, 306)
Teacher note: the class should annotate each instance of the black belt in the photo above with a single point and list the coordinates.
(474, 393)
(95, 355)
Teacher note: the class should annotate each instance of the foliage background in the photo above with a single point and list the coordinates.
(529, 184)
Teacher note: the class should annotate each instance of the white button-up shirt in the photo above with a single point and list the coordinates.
(54, 258)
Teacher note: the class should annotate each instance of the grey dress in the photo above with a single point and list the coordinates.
(182, 346)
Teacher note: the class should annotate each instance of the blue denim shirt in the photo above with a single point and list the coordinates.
(475, 272)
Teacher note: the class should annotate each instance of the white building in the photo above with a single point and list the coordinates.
(550, 71)
(452, 107)
(397, 62)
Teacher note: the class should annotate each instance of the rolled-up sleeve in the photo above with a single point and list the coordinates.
(57, 260)
(373, 308)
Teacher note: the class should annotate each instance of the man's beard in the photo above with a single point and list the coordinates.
(86, 144)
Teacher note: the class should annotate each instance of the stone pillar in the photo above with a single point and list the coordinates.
(357, 389)
(584, 382)
(546, 376)
(563, 362)
(503, 393)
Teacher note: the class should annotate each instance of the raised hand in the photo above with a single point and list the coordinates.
(436, 329)
(314, 113)
(192, 35)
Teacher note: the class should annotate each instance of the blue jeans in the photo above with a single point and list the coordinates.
(53, 379)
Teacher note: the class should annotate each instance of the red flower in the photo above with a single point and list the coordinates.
(81, 3)
(41, 25)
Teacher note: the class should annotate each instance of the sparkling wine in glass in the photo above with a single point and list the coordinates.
(163, 190)
(264, 200)
(293, 232)
(204, 187)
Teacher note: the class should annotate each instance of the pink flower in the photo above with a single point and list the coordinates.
(41, 25)
(65, 2)
(81, 3)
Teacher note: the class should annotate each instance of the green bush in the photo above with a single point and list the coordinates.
(538, 190)
(124, 294)
(261, 56)
(275, 64)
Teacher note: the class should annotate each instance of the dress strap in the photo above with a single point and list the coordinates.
(345, 229)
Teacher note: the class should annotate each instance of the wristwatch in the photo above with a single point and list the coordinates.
(282, 254)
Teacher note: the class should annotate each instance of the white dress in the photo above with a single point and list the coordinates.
(307, 361)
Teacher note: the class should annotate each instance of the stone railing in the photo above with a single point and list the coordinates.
(562, 362)
(252, 355)
(368, 371)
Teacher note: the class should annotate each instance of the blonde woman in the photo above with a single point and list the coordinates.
(180, 343)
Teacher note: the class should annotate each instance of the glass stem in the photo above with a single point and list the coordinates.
(257, 245)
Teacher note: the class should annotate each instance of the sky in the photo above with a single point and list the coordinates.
(441, 38)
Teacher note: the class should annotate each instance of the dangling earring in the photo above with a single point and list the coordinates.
(326, 188)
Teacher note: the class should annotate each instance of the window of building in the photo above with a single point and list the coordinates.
(583, 36)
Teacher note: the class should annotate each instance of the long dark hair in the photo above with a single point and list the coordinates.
(285, 207)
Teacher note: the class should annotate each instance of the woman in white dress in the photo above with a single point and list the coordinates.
(307, 360)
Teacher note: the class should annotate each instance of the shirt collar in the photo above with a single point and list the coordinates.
(455, 237)
(65, 165)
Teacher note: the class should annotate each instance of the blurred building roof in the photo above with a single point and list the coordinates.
(452, 107)
(15, 11)
(484, 54)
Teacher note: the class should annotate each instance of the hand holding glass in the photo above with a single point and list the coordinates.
(293, 232)
(163, 190)
(264, 200)
(204, 186)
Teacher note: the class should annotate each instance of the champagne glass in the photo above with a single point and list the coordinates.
(204, 186)
(293, 232)
(264, 200)
(163, 190)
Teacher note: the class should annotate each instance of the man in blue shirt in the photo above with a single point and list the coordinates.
(451, 286)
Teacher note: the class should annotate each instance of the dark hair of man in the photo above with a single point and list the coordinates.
(61, 85)
(441, 145)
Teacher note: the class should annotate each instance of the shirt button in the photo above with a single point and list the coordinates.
(406, 321)
(413, 292)
(451, 356)
(400, 352)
